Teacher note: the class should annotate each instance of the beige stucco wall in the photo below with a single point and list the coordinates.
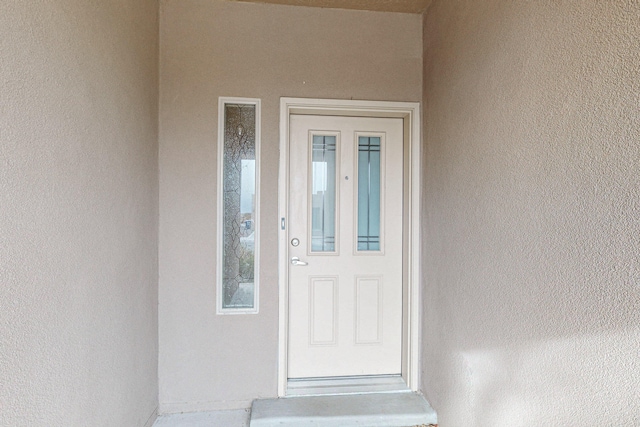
(78, 212)
(209, 49)
(532, 212)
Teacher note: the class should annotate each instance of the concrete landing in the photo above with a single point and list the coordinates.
(357, 410)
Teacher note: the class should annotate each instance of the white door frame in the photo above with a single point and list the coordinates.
(410, 113)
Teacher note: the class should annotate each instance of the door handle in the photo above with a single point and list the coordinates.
(296, 261)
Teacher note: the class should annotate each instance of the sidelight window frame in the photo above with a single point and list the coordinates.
(223, 102)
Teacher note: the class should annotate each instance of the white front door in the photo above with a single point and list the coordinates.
(345, 246)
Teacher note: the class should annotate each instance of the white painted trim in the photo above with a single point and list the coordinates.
(415, 145)
(409, 111)
(220, 206)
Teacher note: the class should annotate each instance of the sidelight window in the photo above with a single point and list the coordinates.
(238, 165)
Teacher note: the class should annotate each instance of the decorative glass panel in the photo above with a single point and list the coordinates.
(368, 193)
(323, 193)
(239, 208)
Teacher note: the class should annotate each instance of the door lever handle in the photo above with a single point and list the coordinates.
(296, 261)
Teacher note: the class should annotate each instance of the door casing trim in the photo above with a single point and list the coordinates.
(410, 113)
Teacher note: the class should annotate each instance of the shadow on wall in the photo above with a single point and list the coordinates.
(591, 376)
(532, 219)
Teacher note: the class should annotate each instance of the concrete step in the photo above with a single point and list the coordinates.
(399, 409)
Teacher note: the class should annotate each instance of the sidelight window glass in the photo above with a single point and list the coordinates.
(238, 206)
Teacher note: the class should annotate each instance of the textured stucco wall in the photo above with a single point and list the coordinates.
(532, 212)
(78, 212)
(209, 49)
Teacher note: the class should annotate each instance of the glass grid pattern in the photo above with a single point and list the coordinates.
(323, 193)
(369, 193)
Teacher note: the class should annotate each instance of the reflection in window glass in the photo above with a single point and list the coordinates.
(323, 193)
(368, 193)
(239, 192)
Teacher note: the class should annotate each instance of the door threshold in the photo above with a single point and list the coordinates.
(346, 385)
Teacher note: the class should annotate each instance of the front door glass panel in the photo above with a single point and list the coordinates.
(369, 193)
(323, 193)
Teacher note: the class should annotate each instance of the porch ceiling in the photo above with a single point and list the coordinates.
(405, 6)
